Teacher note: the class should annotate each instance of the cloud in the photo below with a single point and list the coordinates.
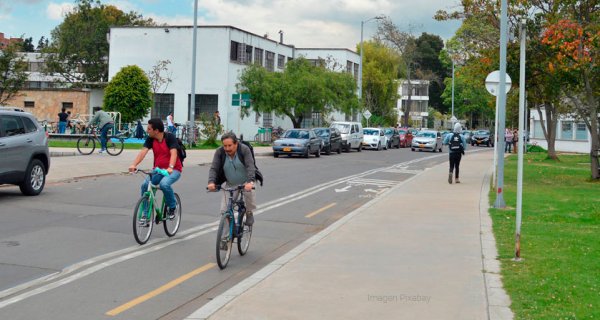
(57, 11)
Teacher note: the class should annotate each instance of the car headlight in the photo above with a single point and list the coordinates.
(276, 144)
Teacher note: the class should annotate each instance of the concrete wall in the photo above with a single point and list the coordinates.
(48, 103)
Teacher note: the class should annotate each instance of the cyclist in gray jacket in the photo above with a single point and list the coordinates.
(233, 164)
(105, 123)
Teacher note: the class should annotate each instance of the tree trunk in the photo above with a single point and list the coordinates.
(549, 127)
(592, 125)
(407, 107)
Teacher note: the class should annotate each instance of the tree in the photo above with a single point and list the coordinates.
(129, 93)
(42, 44)
(79, 49)
(298, 91)
(12, 73)
(380, 87)
(160, 77)
(27, 45)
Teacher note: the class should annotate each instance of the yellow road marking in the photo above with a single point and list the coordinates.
(159, 290)
(314, 213)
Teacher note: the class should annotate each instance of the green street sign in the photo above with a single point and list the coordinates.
(235, 99)
(242, 99)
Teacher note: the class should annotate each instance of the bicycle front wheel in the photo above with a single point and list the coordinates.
(86, 145)
(143, 220)
(114, 146)
(224, 241)
(244, 236)
(172, 225)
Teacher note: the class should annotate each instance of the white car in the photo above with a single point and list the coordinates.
(374, 138)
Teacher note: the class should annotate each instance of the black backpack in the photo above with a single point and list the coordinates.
(181, 153)
(258, 176)
(456, 143)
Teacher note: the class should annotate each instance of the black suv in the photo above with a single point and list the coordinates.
(332, 139)
(25, 158)
(482, 137)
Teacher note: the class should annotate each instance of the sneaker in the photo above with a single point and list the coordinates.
(450, 178)
(456, 180)
(101, 151)
(143, 222)
(171, 213)
(249, 218)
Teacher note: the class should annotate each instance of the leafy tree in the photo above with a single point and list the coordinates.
(380, 87)
(42, 43)
(27, 45)
(210, 129)
(129, 93)
(297, 91)
(12, 73)
(79, 49)
(427, 57)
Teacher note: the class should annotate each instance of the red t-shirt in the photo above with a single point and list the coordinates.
(162, 151)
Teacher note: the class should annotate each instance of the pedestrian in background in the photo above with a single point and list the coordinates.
(508, 140)
(457, 146)
(170, 124)
(217, 118)
(515, 139)
(62, 121)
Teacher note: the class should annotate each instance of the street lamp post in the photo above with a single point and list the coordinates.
(453, 119)
(360, 66)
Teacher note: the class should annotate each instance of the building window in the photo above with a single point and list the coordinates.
(247, 54)
(234, 52)
(164, 103)
(258, 56)
(581, 132)
(349, 67)
(566, 130)
(67, 105)
(356, 71)
(205, 104)
(270, 61)
(268, 120)
(29, 104)
(280, 61)
(35, 66)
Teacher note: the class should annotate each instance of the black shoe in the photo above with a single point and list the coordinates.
(171, 213)
(249, 219)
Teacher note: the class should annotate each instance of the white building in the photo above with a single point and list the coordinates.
(419, 102)
(222, 53)
(571, 135)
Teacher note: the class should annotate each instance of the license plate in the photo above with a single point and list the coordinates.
(421, 146)
(287, 149)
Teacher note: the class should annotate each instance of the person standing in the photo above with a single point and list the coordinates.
(62, 121)
(170, 123)
(457, 146)
(508, 139)
(217, 118)
(233, 164)
(164, 147)
(105, 123)
(515, 139)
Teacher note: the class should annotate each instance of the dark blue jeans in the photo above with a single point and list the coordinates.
(104, 134)
(165, 185)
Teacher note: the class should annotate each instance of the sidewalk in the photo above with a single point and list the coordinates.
(424, 250)
(67, 164)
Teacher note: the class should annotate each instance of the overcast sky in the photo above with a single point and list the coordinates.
(305, 23)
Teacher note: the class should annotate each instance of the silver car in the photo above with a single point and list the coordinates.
(427, 140)
(25, 158)
(300, 142)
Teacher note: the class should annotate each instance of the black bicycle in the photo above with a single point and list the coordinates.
(86, 144)
(233, 226)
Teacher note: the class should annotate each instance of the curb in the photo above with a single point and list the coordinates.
(63, 154)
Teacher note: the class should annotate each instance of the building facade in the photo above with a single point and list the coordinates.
(222, 53)
(571, 135)
(5, 42)
(419, 102)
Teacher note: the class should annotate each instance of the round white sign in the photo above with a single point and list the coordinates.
(492, 82)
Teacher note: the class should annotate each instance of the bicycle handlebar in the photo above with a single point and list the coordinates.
(154, 171)
(238, 187)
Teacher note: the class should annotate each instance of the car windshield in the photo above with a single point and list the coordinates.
(371, 132)
(322, 132)
(426, 134)
(344, 128)
(296, 134)
(389, 131)
(483, 132)
(402, 131)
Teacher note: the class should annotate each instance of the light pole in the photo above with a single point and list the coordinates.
(192, 109)
(453, 119)
(360, 66)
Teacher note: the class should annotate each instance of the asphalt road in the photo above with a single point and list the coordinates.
(70, 254)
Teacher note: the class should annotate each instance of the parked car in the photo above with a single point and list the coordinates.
(332, 139)
(427, 140)
(467, 135)
(393, 137)
(352, 134)
(301, 142)
(482, 137)
(374, 139)
(406, 137)
(24, 154)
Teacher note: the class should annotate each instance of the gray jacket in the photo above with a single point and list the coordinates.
(216, 174)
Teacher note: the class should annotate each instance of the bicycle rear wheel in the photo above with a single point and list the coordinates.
(224, 241)
(143, 220)
(172, 225)
(244, 236)
(86, 145)
(114, 146)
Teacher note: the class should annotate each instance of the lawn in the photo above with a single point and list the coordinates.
(73, 144)
(559, 276)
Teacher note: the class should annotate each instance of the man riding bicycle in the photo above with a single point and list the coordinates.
(105, 123)
(233, 163)
(164, 147)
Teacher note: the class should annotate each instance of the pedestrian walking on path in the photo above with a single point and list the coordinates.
(457, 146)
(508, 138)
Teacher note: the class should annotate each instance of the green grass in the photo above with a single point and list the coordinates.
(201, 146)
(559, 276)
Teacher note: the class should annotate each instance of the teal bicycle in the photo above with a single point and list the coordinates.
(147, 213)
(233, 226)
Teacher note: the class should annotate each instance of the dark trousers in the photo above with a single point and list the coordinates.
(455, 162)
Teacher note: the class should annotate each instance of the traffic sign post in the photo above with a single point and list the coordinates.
(492, 82)
(367, 115)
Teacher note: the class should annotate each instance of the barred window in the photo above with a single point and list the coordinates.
(566, 132)
(29, 104)
(349, 67)
(581, 131)
(268, 119)
(248, 54)
(206, 104)
(164, 103)
(258, 56)
(280, 61)
(234, 51)
(270, 61)
(356, 71)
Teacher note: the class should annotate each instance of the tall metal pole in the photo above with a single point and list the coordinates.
(452, 94)
(521, 137)
(193, 93)
(501, 106)
(360, 66)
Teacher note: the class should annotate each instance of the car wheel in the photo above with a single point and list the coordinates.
(306, 153)
(275, 155)
(35, 178)
(328, 150)
(359, 149)
(412, 149)
(318, 153)
(339, 150)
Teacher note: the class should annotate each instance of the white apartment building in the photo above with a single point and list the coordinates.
(222, 53)
(419, 101)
